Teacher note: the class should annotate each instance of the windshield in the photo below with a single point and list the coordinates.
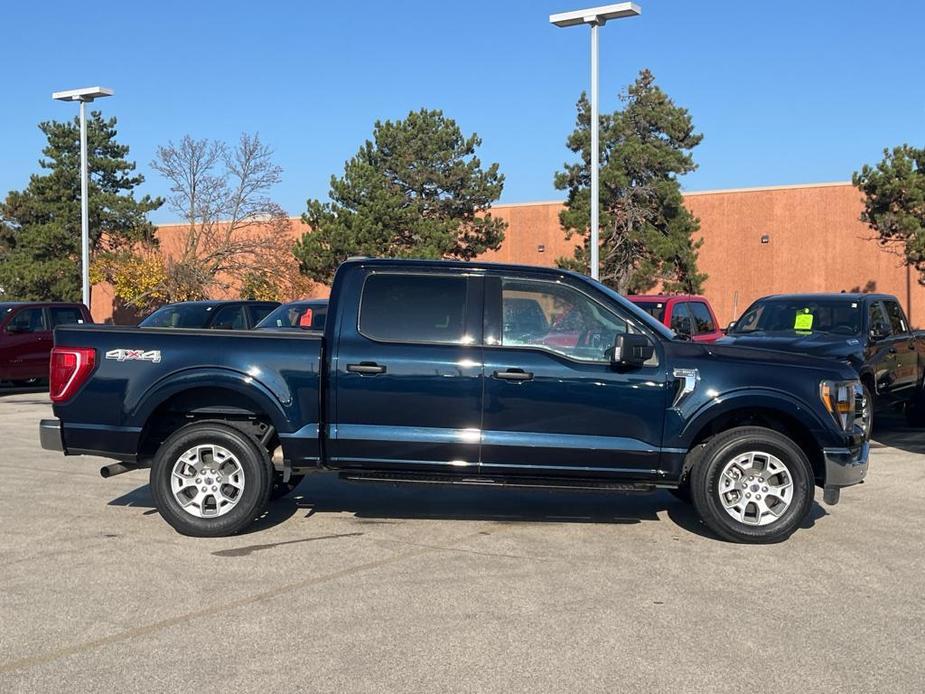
(179, 316)
(642, 316)
(800, 315)
(656, 309)
(307, 315)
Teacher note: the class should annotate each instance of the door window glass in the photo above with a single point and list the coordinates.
(681, 321)
(896, 317)
(29, 320)
(876, 320)
(414, 308)
(558, 318)
(65, 315)
(260, 311)
(230, 318)
(703, 321)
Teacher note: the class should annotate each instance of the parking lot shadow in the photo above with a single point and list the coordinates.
(7, 390)
(891, 431)
(386, 503)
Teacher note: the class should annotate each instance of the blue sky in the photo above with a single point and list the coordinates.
(803, 96)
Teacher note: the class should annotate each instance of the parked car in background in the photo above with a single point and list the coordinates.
(687, 314)
(26, 337)
(217, 315)
(427, 373)
(308, 314)
(868, 331)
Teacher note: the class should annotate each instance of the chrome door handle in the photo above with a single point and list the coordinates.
(514, 375)
(366, 367)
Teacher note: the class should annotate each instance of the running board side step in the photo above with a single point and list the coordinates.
(578, 484)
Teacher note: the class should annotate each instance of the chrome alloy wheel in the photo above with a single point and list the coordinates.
(207, 481)
(755, 488)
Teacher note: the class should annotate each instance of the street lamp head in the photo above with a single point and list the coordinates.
(85, 94)
(595, 15)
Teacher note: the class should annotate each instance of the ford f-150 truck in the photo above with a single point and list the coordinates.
(868, 331)
(466, 373)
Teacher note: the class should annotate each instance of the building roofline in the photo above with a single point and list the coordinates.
(684, 193)
(759, 189)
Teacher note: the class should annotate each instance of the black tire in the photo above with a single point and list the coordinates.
(254, 463)
(280, 488)
(705, 480)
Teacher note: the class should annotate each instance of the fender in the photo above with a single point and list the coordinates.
(138, 412)
(702, 412)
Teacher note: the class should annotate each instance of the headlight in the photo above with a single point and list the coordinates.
(845, 402)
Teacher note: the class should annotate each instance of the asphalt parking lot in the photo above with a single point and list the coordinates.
(373, 588)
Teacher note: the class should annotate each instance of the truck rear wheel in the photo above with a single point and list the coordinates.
(752, 485)
(209, 480)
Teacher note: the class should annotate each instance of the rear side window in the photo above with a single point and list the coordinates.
(414, 308)
(65, 316)
(230, 318)
(702, 318)
(897, 319)
(261, 311)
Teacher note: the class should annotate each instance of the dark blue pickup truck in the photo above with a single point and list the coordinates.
(466, 373)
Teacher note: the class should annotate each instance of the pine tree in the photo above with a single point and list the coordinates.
(645, 230)
(894, 202)
(416, 190)
(40, 226)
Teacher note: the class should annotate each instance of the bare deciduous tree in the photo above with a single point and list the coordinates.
(233, 229)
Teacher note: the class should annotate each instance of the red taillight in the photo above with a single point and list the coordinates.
(70, 367)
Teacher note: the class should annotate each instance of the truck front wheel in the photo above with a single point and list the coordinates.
(752, 485)
(209, 480)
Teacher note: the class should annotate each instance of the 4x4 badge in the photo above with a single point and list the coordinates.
(152, 355)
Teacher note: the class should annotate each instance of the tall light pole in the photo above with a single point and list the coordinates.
(84, 96)
(595, 17)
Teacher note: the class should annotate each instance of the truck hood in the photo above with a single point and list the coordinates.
(828, 366)
(816, 344)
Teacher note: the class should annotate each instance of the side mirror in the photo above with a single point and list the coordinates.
(878, 332)
(729, 327)
(631, 351)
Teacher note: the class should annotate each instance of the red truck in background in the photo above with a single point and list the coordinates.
(686, 314)
(26, 336)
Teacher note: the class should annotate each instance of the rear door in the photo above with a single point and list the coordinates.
(407, 372)
(906, 357)
(554, 406)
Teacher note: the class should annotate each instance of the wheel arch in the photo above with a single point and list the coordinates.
(207, 396)
(776, 414)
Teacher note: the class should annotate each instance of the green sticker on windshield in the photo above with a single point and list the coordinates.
(803, 320)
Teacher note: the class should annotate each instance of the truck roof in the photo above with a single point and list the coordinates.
(847, 296)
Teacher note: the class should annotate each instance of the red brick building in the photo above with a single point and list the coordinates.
(757, 241)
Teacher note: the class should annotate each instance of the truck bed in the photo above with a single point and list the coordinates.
(141, 370)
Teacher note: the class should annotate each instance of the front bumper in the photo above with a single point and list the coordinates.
(843, 468)
(50, 435)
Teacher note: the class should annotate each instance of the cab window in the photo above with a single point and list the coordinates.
(230, 318)
(681, 321)
(557, 318)
(896, 317)
(703, 321)
(28, 320)
(414, 308)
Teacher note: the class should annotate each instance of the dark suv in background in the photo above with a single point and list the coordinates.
(26, 336)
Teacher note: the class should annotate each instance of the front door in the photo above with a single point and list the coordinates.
(554, 405)
(408, 374)
(27, 341)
